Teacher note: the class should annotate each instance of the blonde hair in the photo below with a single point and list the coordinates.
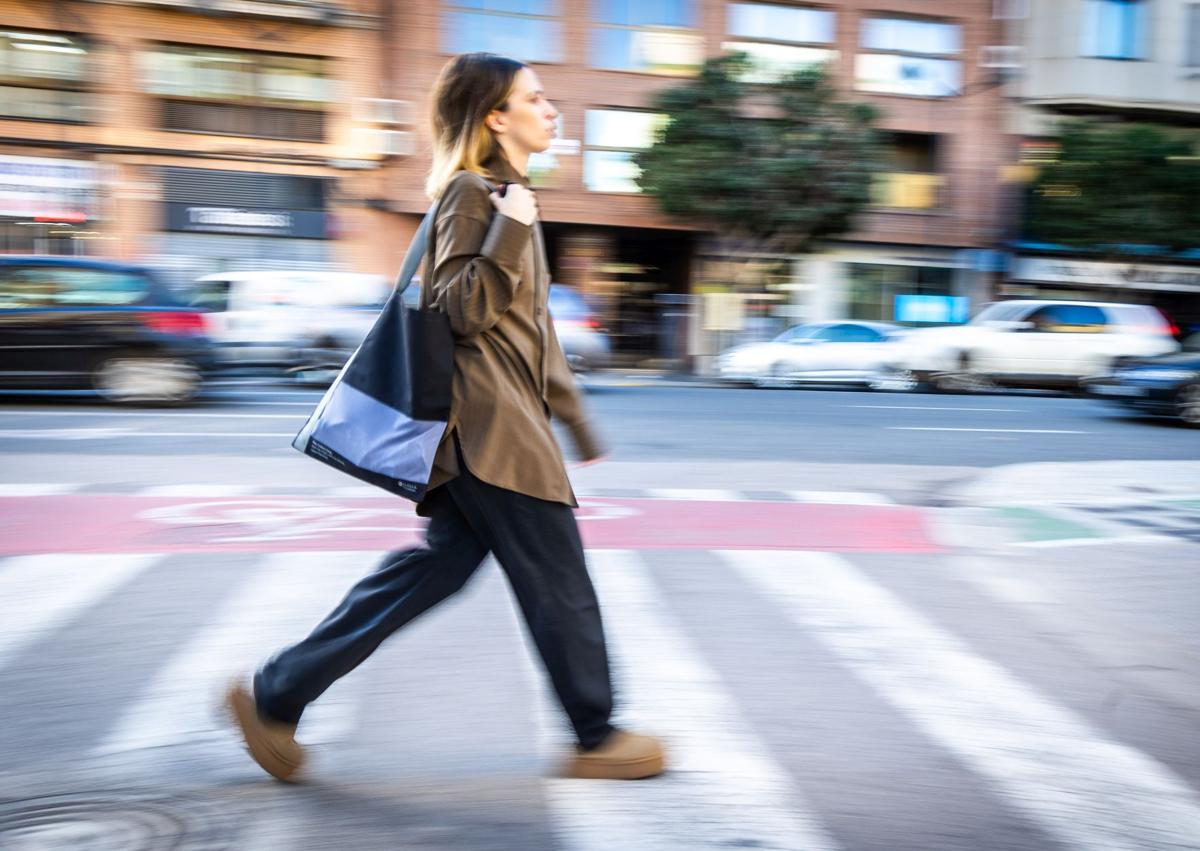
(468, 89)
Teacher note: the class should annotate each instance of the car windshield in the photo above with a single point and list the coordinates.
(797, 332)
(1002, 311)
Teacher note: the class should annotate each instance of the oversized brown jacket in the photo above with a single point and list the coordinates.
(489, 275)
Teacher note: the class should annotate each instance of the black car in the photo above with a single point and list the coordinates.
(69, 323)
(1167, 384)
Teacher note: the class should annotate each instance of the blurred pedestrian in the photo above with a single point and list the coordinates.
(499, 482)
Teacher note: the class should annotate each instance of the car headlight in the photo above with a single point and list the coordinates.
(1163, 374)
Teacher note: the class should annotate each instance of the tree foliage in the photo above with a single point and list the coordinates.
(1115, 186)
(767, 167)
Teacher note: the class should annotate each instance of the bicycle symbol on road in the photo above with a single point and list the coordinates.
(261, 520)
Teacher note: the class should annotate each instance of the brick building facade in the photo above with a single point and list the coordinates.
(287, 133)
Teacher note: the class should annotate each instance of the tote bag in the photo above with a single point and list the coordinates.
(384, 415)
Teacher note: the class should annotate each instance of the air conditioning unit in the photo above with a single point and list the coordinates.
(1004, 57)
(1010, 10)
(387, 111)
(396, 143)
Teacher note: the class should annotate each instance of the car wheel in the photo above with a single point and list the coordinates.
(776, 377)
(134, 377)
(1187, 404)
(897, 380)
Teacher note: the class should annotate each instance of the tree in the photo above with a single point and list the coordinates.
(768, 168)
(1117, 186)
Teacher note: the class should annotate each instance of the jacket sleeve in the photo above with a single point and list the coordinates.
(477, 258)
(565, 401)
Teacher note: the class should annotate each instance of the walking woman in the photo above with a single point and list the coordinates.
(499, 483)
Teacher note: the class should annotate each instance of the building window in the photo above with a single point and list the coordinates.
(1114, 29)
(522, 29)
(905, 56)
(911, 181)
(1191, 57)
(542, 168)
(612, 136)
(874, 290)
(211, 90)
(652, 36)
(780, 39)
(42, 76)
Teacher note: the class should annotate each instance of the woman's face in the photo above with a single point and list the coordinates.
(528, 122)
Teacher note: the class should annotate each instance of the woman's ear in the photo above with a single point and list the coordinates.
(495, 121)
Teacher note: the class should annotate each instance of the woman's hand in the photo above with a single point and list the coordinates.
(590, 461)
(518, 202)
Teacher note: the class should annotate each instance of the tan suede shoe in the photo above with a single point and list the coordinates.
(271, 744)
(623, 756)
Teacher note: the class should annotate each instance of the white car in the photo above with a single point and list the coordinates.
(846, 352)
(1036, 344)
(290, 319)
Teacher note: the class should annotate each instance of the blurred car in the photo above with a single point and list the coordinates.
(817, 353)
(1036, 344)
(70, 323)
(287, 319)
(577, 330)
(1167, 385)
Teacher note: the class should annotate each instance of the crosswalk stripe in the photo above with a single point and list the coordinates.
(722, 790)
(1085, 790)
(14, 489)
(694, 494)
(840, 497)
(41, 593)
(284, 599)
(198, 490)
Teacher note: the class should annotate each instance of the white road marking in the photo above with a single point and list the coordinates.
(931, 408)
(197, 490)
(999, 430)
(41, 593)
(840, 497)
(143, 415)
(279, 604)
(45, 489)
(1085, 790)
(1092, 542)
(698, 494)
(722, 789)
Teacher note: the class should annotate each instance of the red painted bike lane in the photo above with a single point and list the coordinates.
(85, 523)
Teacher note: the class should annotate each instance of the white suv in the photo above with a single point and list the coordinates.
(1050, 344)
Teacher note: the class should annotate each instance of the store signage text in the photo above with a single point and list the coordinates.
(1096, 273)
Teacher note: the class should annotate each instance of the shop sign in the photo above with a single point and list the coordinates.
(303, 224)
(1141, 276)
(45, 189)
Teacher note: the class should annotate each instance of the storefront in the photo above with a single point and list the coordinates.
(1173, 288)
(635, 281)
(217, 221)
(47, 205)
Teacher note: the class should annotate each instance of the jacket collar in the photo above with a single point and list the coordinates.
(501, 169)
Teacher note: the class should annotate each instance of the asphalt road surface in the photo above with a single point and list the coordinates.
(847, 637)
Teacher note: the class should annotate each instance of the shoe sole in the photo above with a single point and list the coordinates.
(245, 715)
(634, 769)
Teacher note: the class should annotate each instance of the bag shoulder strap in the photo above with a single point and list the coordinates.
(421, 241)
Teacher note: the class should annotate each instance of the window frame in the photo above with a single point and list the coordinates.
(693, 28)
(732, 41)
(589, 147)
(1090, 27)
(954, 58)
(1191, 37)
(451, 7)
(64, 86)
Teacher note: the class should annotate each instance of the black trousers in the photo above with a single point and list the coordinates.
(538, 546)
